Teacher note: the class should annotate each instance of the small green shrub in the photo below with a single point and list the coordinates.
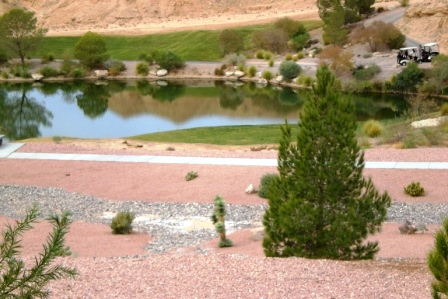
(289, 70)
(114, 66)
(267, 55)
(251, 71)
(168, 60)
(367, 55)
(191, 175)
(122, 223)
(19, 70)
(77, 73)
(266, 181)
(404, 3)
(142, 68)
(366, 73)
(48, 71)
(271, 63)
(267, 75)
(288, 57)
(5, 75)
(372, 128)
(235, 59)
(46, 58)
(444, 109)
(259, 54)
(300, 55)
(414, 189)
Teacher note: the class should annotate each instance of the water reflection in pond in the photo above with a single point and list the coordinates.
(117, 109)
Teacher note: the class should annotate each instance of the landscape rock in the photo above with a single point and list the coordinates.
(37, 77)
(257, 234)
(162, 73)
(239, 74)
(407, 228)
(430, 122)
(101, 74)
(229, 73)
(251, 189)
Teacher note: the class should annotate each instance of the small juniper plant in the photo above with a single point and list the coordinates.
(16, 281)
(218, 219)
(122, 223)
(191, 175)
(414, 189)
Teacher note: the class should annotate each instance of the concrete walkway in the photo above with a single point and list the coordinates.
(8, 151)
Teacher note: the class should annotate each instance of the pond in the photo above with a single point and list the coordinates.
(116, 109)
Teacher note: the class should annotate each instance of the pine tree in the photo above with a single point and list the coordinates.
(438, 263)
(321, 206)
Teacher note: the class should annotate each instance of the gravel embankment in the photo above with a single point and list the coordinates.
(172, 225)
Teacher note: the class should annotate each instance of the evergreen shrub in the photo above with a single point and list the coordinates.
(414, 189)
(122, 223)
(191, 175)
(48, 71)
(142, 68)
(267, 75)
(266, 181)
(372, 128)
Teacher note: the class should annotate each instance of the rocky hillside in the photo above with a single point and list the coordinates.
(103, 14)
(427, 21)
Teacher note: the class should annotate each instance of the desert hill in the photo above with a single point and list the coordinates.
(424, 20)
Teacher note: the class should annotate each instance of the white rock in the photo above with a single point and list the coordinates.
(258, 74)
(161, 73)
(101, 73)
(239, 74)
(229, 73)
(37, 77)
(251, 189)
(279, 79)
(430, 122)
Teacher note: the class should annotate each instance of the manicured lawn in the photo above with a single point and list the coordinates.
(231, 135)
(201, 45)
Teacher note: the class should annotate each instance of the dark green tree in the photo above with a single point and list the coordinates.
(91, 50)
(290, 26)
(438, 263)
(16, 281)
(361, 6)
(321, 206)
(231, 41)
(19, 33)
(334, 32)
(409, 78)
(168, 60)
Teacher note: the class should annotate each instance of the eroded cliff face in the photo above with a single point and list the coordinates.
(427, 21)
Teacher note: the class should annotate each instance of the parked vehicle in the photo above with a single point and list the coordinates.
(429, 50)
(423, 53)
(409, 54)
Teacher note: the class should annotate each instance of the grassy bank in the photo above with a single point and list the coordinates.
(231, 135)
(201, 45)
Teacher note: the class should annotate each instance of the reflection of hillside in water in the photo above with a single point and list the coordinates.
(183, 108)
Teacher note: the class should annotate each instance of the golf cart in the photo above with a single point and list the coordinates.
(428, 51)
(409, 54)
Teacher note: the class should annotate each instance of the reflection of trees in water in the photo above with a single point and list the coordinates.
(281, 100)
(93, 100)
(230, 96)
(161, 93)
(378, 106)
(21, 116)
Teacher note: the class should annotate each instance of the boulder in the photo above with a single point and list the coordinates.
(37, 77)
(251, 189)
(279, 79)
(229, 73)
(239, 74)
(407, 228)
(161, 73)
(100, 74)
